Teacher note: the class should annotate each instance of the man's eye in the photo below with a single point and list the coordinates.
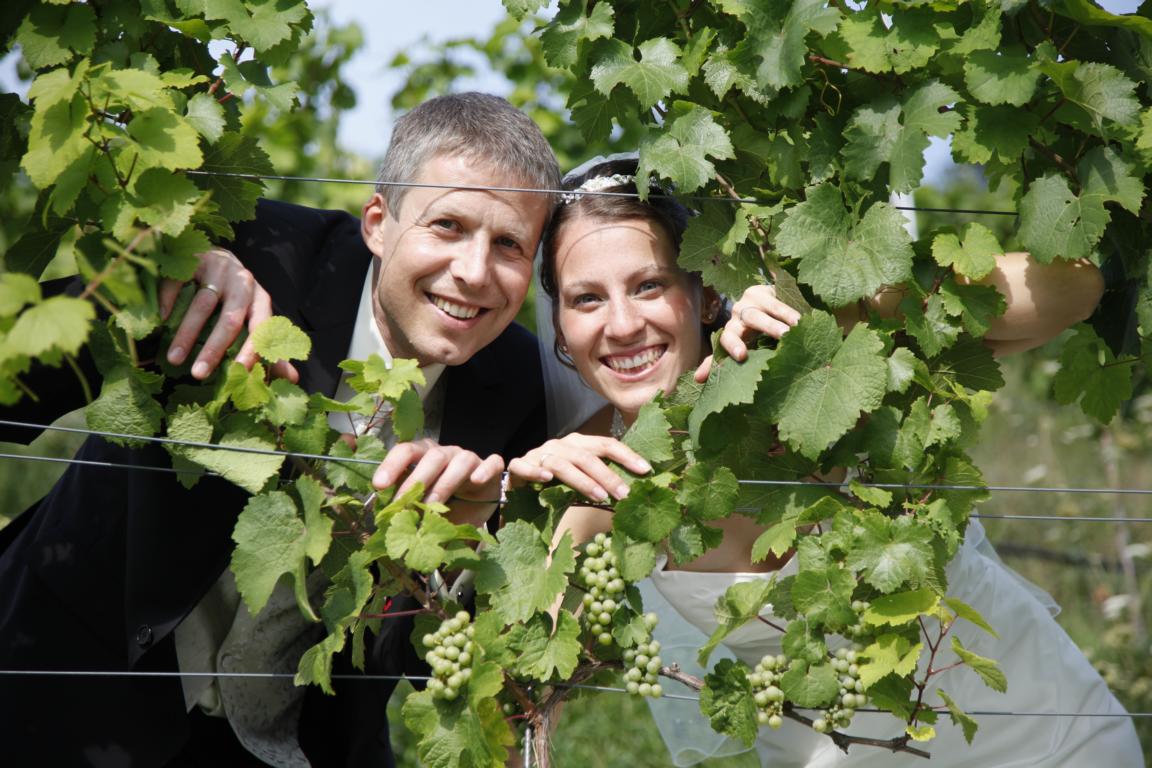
(446, 224)
(507, 242)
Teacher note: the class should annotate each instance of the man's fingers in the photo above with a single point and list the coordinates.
(489, 470)
(396, 463)
(167, 294)
(199, 310)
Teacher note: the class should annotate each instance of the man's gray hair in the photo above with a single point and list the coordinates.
(479, 127)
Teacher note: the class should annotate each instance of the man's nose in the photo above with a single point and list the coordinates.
(472, 265)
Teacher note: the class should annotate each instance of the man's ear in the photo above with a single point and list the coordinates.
(375, 211)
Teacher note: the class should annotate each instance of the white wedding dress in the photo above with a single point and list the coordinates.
(1046, 673)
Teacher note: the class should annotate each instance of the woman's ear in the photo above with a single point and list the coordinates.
(710, 303)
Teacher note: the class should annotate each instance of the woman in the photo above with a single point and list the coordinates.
(631, 322)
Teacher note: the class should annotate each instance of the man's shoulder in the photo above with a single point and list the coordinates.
(511, 361)
(277, 221)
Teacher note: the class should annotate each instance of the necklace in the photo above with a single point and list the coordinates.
(618, 427)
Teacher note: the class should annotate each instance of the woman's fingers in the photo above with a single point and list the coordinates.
(579, 461)
(758, 312)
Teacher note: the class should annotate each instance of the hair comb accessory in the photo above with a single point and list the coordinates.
(596, 184)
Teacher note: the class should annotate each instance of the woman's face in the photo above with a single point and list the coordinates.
(628, 314)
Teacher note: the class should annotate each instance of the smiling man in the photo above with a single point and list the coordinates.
(128, 573)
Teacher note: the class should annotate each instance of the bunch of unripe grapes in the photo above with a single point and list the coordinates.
(766, 692)
(850, 698)
(858, 629)
(450, 654)
(642, 675)
(605, 588)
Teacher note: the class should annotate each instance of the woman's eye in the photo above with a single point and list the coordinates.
(584, 299)
(648, 286)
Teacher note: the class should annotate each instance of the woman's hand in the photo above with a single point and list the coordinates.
(758, 312)
(578, 461)
(223, 281)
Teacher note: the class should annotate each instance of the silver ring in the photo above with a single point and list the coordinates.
(543, 458)
(211, 287)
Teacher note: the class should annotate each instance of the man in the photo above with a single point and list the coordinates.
(102, 573)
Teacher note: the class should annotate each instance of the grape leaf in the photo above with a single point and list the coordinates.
(418, 539)
(234, 154)
(288, 404)
(246, 389)
(278, 339)
(654, 77)
(649, 435)
(818, 385)
(648, 513)
(726, 700)
(901, 607)
(1101, 90)
(988, 670)
(1091, 374)
(542, 653)
(891, 553)
(888, 654)
(206, 115)
(727, 264)
(456, 735)
(844, 260)
(974, 258)
(51, 34)
(519, 550)
(59, 323)
(376, 377)
(825, 596)
(968, 613)
(521, 8)
(742, 602)
(16, 291)
(125, 404)
(709, 493)
(779, 44)
(897, 133)
(681, 152)
(571, 25)
(250, 471)
(803, 641)
(271, 541)
(810, 686)
(959, 717)
(729, 383)
(988, 133)
(1002, 76)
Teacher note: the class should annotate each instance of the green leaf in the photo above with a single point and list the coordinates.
(729, 383)
(648, 513)
(901, 607)
(1101, 90)
(804, 642)
(177, 257)
(1091, 374)
(16, 291)
(988, 669)
(542, 653)
(125, 404)
(60, 324)
(897, 134)
(520, 550)
(456, 735)
(288, 404)
(569, 27)
(271, 541)
(968, 613)
(653, 78)
(825, 596)
(521, 8)
(246, 389)
(206, 115)
(250, 471)
(842, 259)
(681, 152)
(810, 686)
(726, 700)
(709, 493)
(634, 559)
(742, 602)
(891, 553)
(51, 34)
(278, 339)
(418, 539)
(780, 45)
(408, 416)
(650, 434)
(959, 717)
(817, 385)
(234, 154)
(974, 258)
(889, 654)
(163, 139)
(715, 245)
(1002, 76)
(375, 377)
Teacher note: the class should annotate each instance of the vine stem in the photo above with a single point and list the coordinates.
(841, 740)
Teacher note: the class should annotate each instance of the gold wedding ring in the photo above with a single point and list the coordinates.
(211, 287)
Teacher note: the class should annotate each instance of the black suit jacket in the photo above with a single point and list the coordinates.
(97, 575)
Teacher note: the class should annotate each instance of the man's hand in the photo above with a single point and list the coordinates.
(223, 281)
(578, 461)
(446, 471)
(758, 312)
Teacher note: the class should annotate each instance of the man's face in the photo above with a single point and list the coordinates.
(454, 264)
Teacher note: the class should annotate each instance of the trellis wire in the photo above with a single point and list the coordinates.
(547, 191)
(368, 677)
(353, 460)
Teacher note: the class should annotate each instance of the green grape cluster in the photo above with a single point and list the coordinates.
(858, 629)
(851, 697)
(766, 692)
(605, 588)
(642, 677)
(450, 655)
